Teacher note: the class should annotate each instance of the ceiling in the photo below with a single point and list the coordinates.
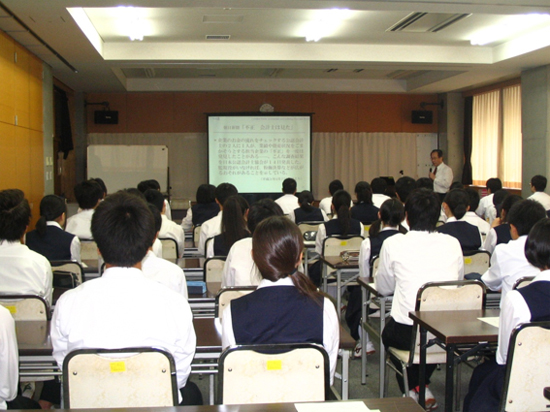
(264, 47)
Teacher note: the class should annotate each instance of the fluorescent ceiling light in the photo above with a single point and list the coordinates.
(509, 27)
(131, 23)
(326, 24)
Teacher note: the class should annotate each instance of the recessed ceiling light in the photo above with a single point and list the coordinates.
(327, 23)
(511, 26)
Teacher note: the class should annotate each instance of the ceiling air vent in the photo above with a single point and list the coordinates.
(331, 70)
(218, 37)
(420, 22)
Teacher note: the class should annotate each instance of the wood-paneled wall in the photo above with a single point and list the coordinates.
(21, 122)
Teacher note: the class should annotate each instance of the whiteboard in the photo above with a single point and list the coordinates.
(124, 166)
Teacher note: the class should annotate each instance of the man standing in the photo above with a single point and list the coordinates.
(441, 174)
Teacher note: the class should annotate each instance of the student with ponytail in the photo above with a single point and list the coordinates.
(286, 307)
(234, 228)
(306, 212)
(49, 239)
(364, 210)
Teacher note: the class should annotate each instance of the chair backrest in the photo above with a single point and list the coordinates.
(88, 249)
(213, 269)
(117, 378)
(309, 230)
(375, 264)
(68, 268)
(523, 281)
(273, 374)
(366, 229)
(26, 307)
(209, 241)
(169, 248)
(527, 369)
(476, 261)
(196, 235)
(334, 245)
(227, 294)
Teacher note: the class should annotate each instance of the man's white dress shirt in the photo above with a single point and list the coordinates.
(23, 271)
(9, 358)
(239, 268)
(210, 228)
(123, 308)
(172, 230)
(288, 203)
(407, 262)
(443, 178)
(164, 272)
(365, 253)
(542, 198)
(473, 219)
(80, 224)
(331, 325)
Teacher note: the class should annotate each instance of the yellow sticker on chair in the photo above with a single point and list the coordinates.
(118, 366)
(12, 309)
(274, 365)
(343, 243)
(467, 261)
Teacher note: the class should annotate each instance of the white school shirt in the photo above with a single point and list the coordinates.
(365, 253)
(331, 325)
(473, 219)
(378, 199)
(407, 262)
(23, 271)
(288, 203)
(167, 209)
(121, 309)
(9, 358)
(239, 268)
(490, 241)
(187, 221)
(157, 248)
(508, 264)
(443, 178)
(81, 224)
(485, 204)
(210, 228)
(325, 205)
(174, 231)
(75, 244)
(513, 312)
(164, 272)
(542, 198)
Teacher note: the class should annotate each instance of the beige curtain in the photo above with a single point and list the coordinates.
(485, 136)
(510, 165)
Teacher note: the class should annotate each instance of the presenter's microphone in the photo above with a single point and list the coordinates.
(430, 170)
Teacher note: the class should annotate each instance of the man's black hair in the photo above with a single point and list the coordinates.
(422, 210)
(425, 183)
(404, 186)
(155, 197)
(539, 183)
(289, 186)
(335, 186)
(205, 193)
(148, 184)
(438, 151)
(123, 228)
(88, 193)
(15, 214)
(494, 184)
(523, 215)
(223, 191)
(101, 183)
(474, 198)
(537, 247)
(156, 215)
(378, 185)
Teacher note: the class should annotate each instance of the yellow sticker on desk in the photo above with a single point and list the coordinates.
(118, 367)
(274, 365)
(467, 261)
(12, 309)
(343, 243)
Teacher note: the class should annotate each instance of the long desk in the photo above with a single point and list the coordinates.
(453, 330)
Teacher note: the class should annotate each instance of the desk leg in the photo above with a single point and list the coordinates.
(211, 394)
(345, 374)
(382, 362)
(422, 367)
(363, 336)
(449, 378)
(339, 293)
(324, 274)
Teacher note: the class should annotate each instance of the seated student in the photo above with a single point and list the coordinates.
(22, 271)
(406, 263)
(88, 195)
(306, 212)
(286, 307)
(456, 204)
(205, 208)
(403, 188)
(288, 201)
(528, 304)
(155, 185)
(508, 262)
(239, 268)
(161, 270)
(471, 216)
(378, 187)
(498, 198)
(426, 183)
(49, 239)
(233, 226)
(101, 183)
(168, 229)
(364, 210)
(486, 206)
(213, 227)
(538, 184)
(500, 231)
(325, 203)
(123, 308)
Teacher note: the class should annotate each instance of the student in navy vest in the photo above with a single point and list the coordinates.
(456, 204)
(235, 211)
(500, 232)
(306, 212)
(205, 209)
(528, 304)
(49, 239)
(364, 210)
(286, 307)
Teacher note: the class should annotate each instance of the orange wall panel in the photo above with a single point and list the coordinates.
(21, 84)
(335, 113)
(8, 161)
(7, 106)
(150, 113)
(36, 106)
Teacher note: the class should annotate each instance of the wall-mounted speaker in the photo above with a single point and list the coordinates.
(422, 117)
(106, 117)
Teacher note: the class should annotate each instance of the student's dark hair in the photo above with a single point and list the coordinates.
(261, 210)
(539, 182)
(135, 192)
(88, 193)
(15, 214)
(537, 247)
(101, 183)
(305, 199)
(498, 198)
(156, 216)
(334, 186)
(392, 214)
(458, 202)
(523, 215)
(473, 195)
(378, 185)
(51, 207)
(289, 186)
(363, 192)
(422, 209)
(155, 197)
(277, 246)
(456, 185)
(148, 184)
(425, 183)
(341, 202)
(205, 193)
(223, 191)
(404, 186)
(438, 151)
(233, 221)
(507, 204)
(494, 184)
(123, 228)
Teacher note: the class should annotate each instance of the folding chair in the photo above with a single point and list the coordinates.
(169, 248)
(88, 249)
(69, 273)
(522, 281)
(196, 235)
(209, 241)
(309, 232)
(213, 269)
(527, 369)
(273, 374)
(118, 378)
(334, 245)
(476, 261)
(226, 295)
(26, 307)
